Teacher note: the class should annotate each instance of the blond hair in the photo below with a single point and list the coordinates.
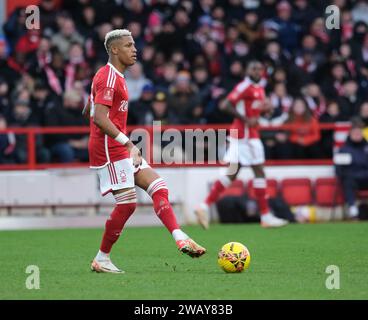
(113, 35)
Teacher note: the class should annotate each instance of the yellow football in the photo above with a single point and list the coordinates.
(234, 257)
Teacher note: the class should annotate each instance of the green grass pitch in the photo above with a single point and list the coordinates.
(287, 263)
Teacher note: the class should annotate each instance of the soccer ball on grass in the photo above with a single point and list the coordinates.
(234, 257)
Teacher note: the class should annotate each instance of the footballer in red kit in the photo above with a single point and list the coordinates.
(245, 103)
(247, 98)
(117, 161)
(108, 88)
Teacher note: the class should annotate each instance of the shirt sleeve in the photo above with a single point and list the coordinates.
(104, 94)
(236, 94)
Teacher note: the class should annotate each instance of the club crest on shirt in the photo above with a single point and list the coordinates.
(108, 94)
(123, 106)
(123, 176)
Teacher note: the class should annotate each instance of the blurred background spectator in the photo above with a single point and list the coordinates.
(304, 135)
(331, 115)
(192, 53)
(67, 147)
(352, 168)
(135, 81)
(22, 116)
(7, 143)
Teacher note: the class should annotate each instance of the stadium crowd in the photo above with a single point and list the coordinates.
(191, 54)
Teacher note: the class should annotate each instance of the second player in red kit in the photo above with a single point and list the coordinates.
(244, 103)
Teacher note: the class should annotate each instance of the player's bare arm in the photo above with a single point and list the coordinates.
(227, 106)
(86, 110)
(101, 119)
(252, 121)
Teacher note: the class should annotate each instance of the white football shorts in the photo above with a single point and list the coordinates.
(247, 152)
(118, 175)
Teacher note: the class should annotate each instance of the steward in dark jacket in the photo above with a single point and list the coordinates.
(352, 167)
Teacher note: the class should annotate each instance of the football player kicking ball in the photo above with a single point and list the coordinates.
(117, 160)
(244, 103)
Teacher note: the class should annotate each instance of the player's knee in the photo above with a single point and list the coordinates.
(126, 197)
(159, 194)
(225, 180)
(156, 186)
(258, 171)
(231, 177)
(233, 171)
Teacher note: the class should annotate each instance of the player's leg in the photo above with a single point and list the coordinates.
(260, 190)
(350, 186)
(124, 208)
(256, 160)
(155, 186)
(222, 183)
(122, 187)
(232, 157)
(202, 211)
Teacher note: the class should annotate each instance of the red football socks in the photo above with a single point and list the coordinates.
(260, 191)
(216, 190)
(164, 210)
(115, 224)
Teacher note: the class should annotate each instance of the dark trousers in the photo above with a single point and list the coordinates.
(350, 186)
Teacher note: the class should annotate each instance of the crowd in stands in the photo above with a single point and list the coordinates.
(191, 54)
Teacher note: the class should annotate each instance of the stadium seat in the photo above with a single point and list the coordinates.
(297, 191)
(328, 192)
(237, 188)
(272, 188)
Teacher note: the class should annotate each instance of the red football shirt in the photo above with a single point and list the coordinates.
(247, 97)
(108, 88)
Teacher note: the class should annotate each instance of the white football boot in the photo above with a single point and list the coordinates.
(105, 265)
(353, 212)
(191, 248)
(270, 221)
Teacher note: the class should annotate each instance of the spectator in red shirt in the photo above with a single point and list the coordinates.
(29, 42)
(304, 135)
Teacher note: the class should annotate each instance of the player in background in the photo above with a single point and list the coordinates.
(244, 103)
(117, 160)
